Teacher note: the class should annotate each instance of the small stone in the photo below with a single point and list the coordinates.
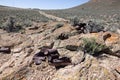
(33, 28)
(17, 50)
(72, 47)
(63, 36)
(5, 49)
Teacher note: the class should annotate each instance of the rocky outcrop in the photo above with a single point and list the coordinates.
(89, 69)
(51, 56)
(27, 51)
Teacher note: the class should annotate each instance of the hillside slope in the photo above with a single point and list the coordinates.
(24, 16)
(105, 12)
(93, 8)
(51, 16)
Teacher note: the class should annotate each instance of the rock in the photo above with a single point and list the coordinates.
(45, 43)
(106, 36)
(17, 50)
(118, 69)
(70, 72)
(52, 54)
(16, 62)
(73, 40)
(78, 58)
(58, 62)
(48, 45)
(33, 28)
(117, 72)
(72, 47)
(118, 31)
(52, 57)
(62, 36)
(27, 43)
(56, 44)
(81, 27)
(89, 69)
(61, 62)
(12, 40)
(5, 49)
(38, 58)
(115, 50)
(67, 73)
(113, 42)
(115, 38)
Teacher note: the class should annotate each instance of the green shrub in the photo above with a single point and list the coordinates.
(12, 25)
(74, 21)
(92, 47)
(27, 23)
(22, 31)
(9, 24)
(59, 25)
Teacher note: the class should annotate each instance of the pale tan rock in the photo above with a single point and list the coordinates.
(118, 69)
(118, 31)
(78, 57)
(17, 50)
(68, 73)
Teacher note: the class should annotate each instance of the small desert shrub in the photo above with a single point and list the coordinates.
(94, 27)
(18, 27)
(12, 25)
(45, 20)
(92, 47)
(27, 23)
(113, 29)
(74, 21)
(22, 31)
(9, 24)
(59, 25)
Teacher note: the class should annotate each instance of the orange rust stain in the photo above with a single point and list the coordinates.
(114, 38)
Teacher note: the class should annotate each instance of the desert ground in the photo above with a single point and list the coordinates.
(80, 43)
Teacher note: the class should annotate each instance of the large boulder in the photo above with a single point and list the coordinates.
(89, 69)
